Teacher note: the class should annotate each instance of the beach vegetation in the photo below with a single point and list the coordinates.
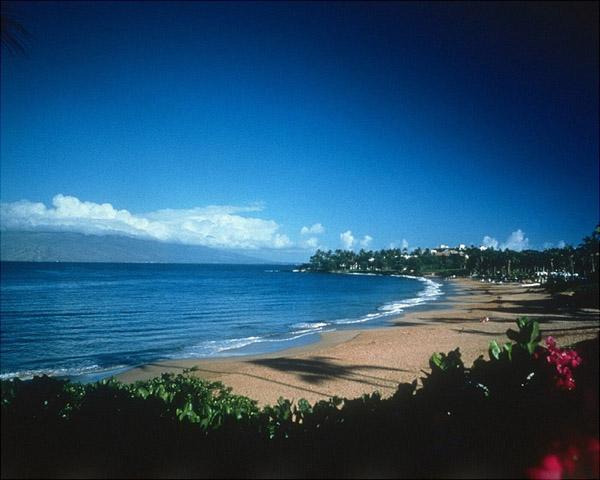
(570, 274)
(181, 425)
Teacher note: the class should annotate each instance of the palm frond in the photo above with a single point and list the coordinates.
(14, 35)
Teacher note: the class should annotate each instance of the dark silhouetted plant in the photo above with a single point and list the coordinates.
(180, 423)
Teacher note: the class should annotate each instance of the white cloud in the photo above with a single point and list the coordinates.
(316, 229)
(281, 241)
(516, 241)
(489, 242)
(366, 241)
(312, 242)
(214, 226)
(562, 244)
(347, 239)
(404, 244)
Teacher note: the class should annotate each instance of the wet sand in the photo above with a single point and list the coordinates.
(351, 363)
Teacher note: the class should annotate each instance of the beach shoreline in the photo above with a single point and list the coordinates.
(349, 363)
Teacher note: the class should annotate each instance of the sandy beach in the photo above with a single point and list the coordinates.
(351, 363)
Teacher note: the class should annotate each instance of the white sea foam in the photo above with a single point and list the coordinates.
(59, 372)
(347, 321)
(210, 348)
(299, 334)
(310, 325)
(432, 291)
(363, 273)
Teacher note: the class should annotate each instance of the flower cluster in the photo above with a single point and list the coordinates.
(577, 458)
(564, 360)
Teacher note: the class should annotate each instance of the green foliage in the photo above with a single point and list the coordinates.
(446, 363)
(511, 368)
(187, 398)
(187, 426)
(497, 352)
(528, 337)
(507, 265)
(516, 365)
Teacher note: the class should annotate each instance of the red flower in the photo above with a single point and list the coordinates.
(579, 459)
(550, 469)
(563, 360)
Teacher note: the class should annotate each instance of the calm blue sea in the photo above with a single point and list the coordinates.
(81, 320)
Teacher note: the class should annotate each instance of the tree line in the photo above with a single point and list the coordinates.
(566, 262)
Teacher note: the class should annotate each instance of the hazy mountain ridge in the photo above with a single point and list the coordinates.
(78, 247)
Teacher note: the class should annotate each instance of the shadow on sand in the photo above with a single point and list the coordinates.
(317, 370)
(314, 371)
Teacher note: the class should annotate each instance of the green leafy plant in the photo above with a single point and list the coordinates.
(447, 363)
(497, 352)
(180, 423)
(528, 337)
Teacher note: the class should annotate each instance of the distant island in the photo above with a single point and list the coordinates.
(77, 247)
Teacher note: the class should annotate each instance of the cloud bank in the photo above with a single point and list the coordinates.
(316, 229)
(220, 226)
(312, 242)
(366, 241)
(489, 242)
(347, 239)
(516, 241)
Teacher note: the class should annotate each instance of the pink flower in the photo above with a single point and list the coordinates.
(563, 360)
(576, 458)
(550, 469)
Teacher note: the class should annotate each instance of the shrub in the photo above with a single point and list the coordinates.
(501, 417)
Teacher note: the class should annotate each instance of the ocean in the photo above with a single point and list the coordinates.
(86, 321)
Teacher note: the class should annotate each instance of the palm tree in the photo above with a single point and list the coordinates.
(589, 248)
(14, 34)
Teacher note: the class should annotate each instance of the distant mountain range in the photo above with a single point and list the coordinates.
(77, 247)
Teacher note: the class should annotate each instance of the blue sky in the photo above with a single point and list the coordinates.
(237, 124)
